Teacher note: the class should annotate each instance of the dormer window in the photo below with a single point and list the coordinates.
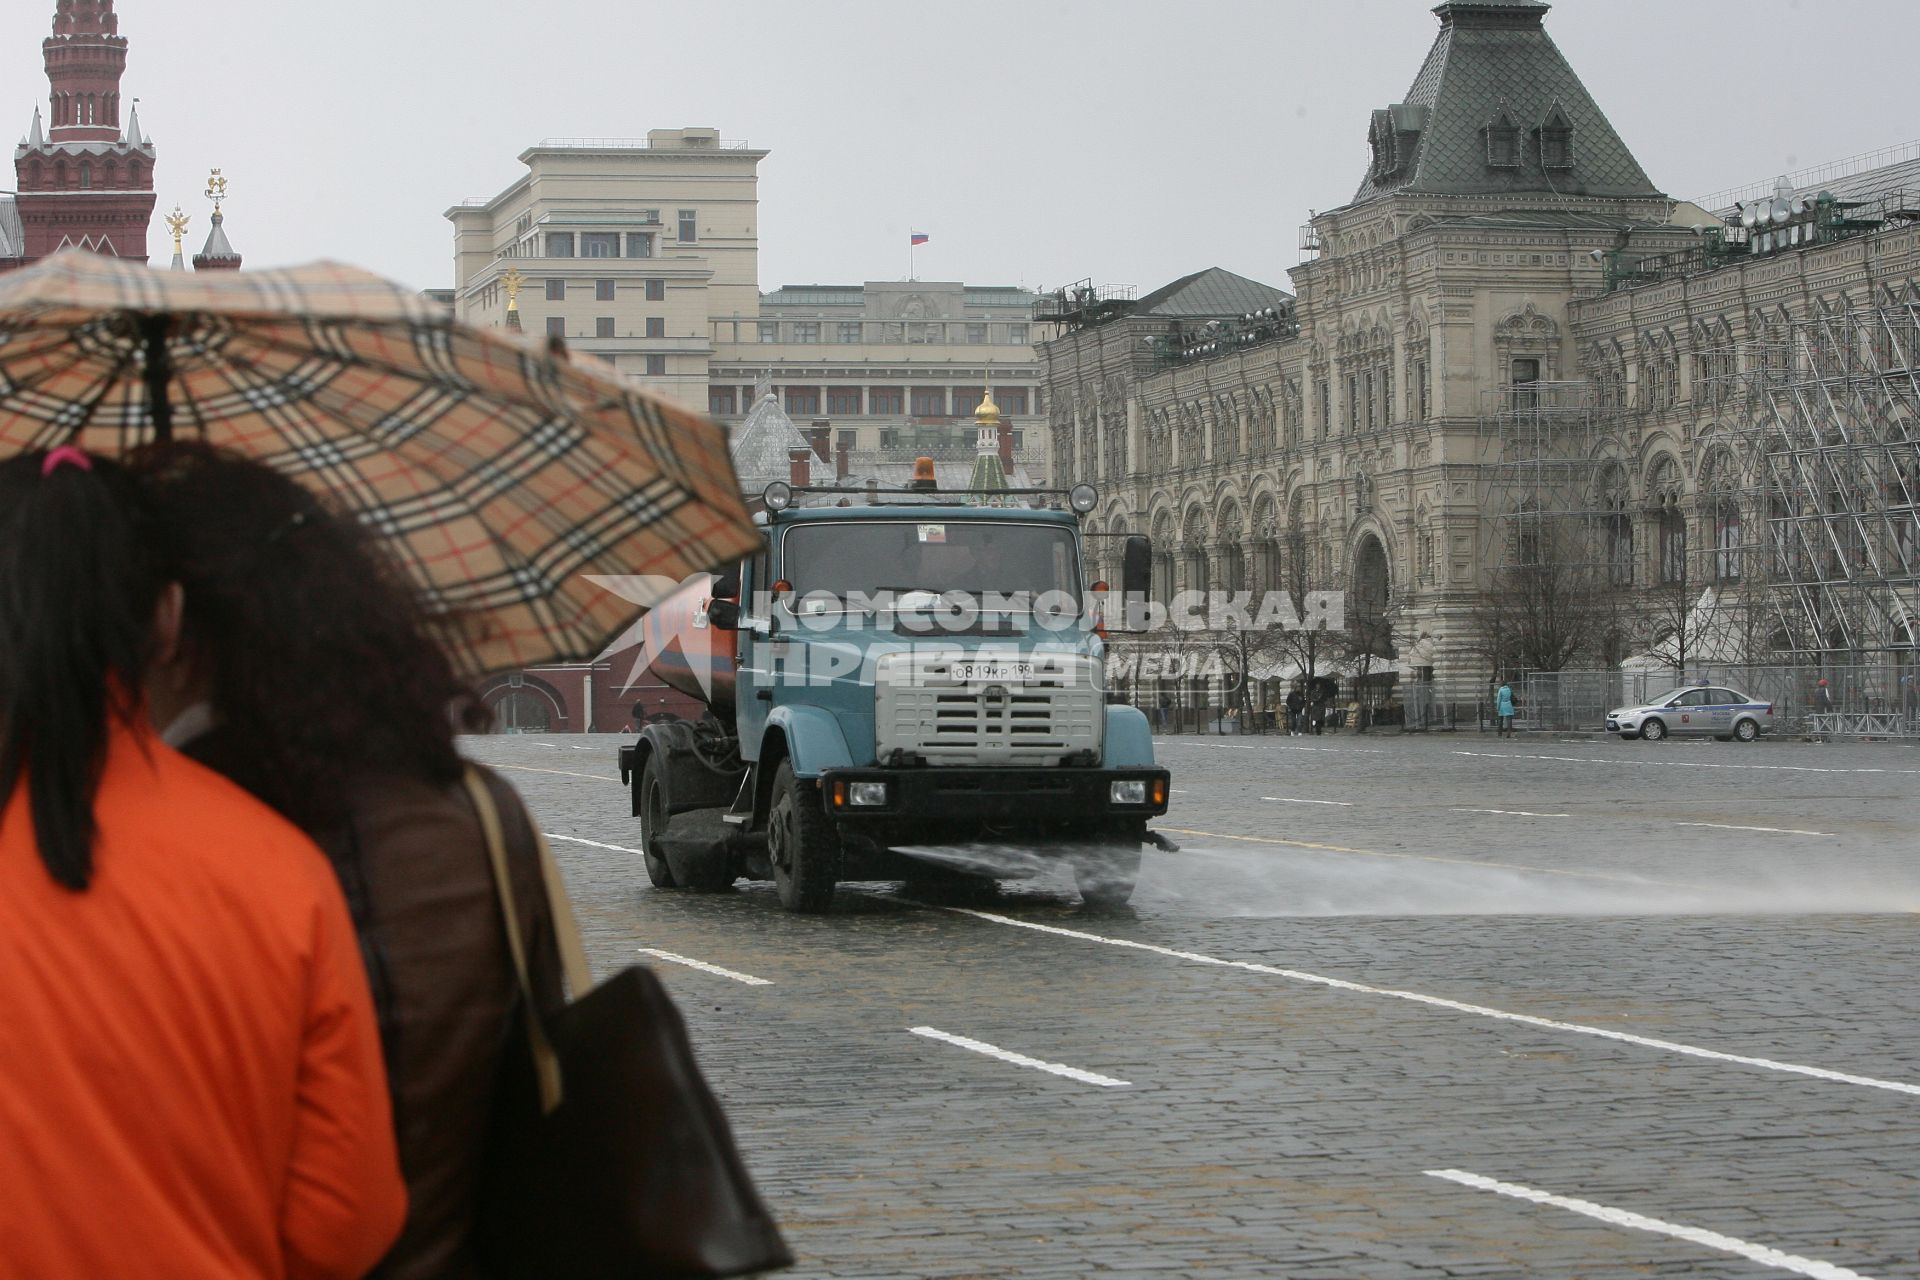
(1380, 140)
(1503, 142)
(1556, 140)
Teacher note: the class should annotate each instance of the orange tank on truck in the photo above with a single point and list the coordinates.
(686, 652)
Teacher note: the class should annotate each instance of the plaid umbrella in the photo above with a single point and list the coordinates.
(499, 476)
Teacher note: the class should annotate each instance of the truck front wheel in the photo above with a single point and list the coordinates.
(801, 844)
(1106, 873)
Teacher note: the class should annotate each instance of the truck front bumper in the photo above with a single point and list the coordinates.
(1027, 800)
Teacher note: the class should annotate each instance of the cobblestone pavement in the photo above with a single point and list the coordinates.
(1669, 980)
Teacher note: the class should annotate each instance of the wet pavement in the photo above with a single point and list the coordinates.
(1427, 1005)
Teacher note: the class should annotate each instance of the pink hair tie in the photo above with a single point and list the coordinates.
(66, 454)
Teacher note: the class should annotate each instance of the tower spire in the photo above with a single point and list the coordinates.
(219, 253)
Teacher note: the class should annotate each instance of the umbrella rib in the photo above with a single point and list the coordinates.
(158, 373)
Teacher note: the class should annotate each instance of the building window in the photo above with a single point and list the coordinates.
(86, 176)
(929, 402)
(720, 401)
(889, 437)
(1727, 536)
(1673, 545)
(656, 326)
(1019, 439)
(556, 291)
(846, 441)
(1017, 334)
(966, 400)
(1503, 143)
(656, 291)
(1556, 141)
(1012, 400)
(559, 244)
(603, 291)
(639, 244)
(603, 326)
(1353, 403)
(803, 402)
(976, 334)
(926, 333)
(1423, 389)
(556, 326)
(850, 332)
(1524, 374)
(806, 331)
(1323, 406)
(886, 401)
(599, 244)
(769, 331)
(656, 366)
(843, 401)
(688, 232)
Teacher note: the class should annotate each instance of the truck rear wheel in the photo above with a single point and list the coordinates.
(1105, 874)
(653, 822)
(801, 844)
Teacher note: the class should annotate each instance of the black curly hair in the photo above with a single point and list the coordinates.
(323, 664)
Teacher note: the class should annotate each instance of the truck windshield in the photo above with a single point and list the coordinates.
(899, 556)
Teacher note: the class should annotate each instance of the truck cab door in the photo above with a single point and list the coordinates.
(753, 684)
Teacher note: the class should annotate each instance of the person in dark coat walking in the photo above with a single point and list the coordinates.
(310, 676)
(1296, 709)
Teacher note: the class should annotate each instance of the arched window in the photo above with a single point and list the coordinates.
(1727, 535)
(1673, 543)
(86, 175)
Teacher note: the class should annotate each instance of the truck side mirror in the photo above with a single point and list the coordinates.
(724, 615)
(727, 586)
(1136, 579)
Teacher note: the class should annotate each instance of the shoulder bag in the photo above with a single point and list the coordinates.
(610, 1156)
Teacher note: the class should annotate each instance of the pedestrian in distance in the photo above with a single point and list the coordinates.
(1296, 709)
(308, 674)
(1163, 711)
(190, 1071)
(1503, 708)
(1822, 709)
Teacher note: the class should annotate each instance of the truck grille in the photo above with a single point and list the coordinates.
(920, 708)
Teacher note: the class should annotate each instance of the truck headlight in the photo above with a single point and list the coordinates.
(867, 794)
(1134, 792)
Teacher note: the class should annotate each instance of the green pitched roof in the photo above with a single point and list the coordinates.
(1212, 294)
(1483, 113)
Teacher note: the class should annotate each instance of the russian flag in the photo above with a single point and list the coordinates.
(916, 238)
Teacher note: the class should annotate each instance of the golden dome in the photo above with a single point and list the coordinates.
(988, 414)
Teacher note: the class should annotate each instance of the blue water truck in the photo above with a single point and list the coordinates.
(901, 686)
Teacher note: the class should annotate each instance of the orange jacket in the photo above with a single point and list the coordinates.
(190, 1075)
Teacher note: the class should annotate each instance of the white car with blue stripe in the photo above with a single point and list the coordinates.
(1695, 710)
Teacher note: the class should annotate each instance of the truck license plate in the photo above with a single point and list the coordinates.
(975, 672)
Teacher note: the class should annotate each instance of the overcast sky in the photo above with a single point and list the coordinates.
(1036, 141)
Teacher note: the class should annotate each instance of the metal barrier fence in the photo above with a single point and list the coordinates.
(1879, 700)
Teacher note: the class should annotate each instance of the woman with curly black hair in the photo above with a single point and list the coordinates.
(190, 1078)
(310, 674)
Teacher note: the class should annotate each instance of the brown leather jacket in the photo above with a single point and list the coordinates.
(415, 870)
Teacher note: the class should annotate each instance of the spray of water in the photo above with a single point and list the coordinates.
(1221, 881)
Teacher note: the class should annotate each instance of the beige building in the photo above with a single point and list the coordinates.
(1507, 323)
(645, 254)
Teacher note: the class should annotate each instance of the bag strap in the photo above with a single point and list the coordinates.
(546, 1063)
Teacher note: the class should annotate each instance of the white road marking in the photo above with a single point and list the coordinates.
(565, 773)
(704, 967)
(1440, 1002)
(1515, 813)
(1665, 763)
(617, 848)
(1638, 1222)
(1776, 831)
(1019, 1059)
(1343, 804)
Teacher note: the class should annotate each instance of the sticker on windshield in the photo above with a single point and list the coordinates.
(933, 533)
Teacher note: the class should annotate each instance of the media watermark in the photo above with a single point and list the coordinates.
(921, 636)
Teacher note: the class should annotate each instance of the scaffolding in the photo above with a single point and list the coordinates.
(1547, 490)
(1837, 402)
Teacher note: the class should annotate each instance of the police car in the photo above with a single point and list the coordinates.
(1697, 709)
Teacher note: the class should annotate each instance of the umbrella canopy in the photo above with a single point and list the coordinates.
(500, 477)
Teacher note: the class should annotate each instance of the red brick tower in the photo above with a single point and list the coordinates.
(87, 181)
